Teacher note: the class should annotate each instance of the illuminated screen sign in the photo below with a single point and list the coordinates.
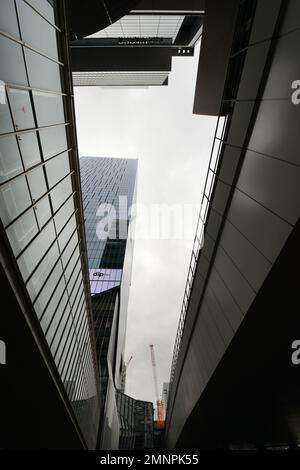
(104, 279)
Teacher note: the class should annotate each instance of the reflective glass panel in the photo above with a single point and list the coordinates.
(37, 183)
(49, 108)
(14, 199)
(12, 71)
(43, 211)
(29, 149)
(10, 161)
(37, 32)
(43, 73)
(8, 18)
(57, 168)
(22, 231)
(5, 117)
(40, 275)
(21, 109)
(31, 257)
(60, 193)
(53, 140)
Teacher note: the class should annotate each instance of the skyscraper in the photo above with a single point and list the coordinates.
(233, 382)
(50, 392)
(109, 191)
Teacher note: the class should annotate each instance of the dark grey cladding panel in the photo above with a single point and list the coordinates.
(218, 315)
(291, 19)
(276, 130)
(239, 288)
(191, 314)
(213, 331)
(246, 257)
(208, 247)
(285, 67)
(264, 229)
(230, 160)
(272, 183)
(229, 306)
(218, 31)
(203, 266)
(265, 19)
(209, 352)
(240, 122)
(213, 224)
(220, 196)
(253, 70)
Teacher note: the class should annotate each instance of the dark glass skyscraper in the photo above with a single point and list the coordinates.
(109, 190)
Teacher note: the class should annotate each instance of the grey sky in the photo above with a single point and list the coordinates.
(155, 125)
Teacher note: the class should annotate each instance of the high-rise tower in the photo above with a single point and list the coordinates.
(109, 190)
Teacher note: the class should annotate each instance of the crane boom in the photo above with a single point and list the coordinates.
(154, 371)
(159, 403)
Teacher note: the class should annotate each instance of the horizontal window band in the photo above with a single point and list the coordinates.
(39, 199)
(33, 168)
(34, 129)
(24, 44)
(44, 17)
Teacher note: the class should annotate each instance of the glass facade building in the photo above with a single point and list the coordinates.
(136, 422)
(43, 248)
(109, 191)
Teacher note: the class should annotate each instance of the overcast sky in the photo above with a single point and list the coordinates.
(155, 125)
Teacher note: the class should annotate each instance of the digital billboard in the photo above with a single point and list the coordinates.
(104, 279)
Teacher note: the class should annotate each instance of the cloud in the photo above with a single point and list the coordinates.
(157, 126)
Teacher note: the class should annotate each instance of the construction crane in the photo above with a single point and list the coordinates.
(123, 374)
(159, 403)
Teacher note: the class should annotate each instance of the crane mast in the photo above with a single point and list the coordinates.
(123, 375)
(159, 403)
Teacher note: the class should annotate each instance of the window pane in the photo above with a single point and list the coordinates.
(64, 214)
(29, 149)
(65, 235)
(49, 108)
(12, 71)
(39, 277)
(60, 193)
(21, 109)
(57, 168)
(14, 199)
(43, 211)
(68, 327)
(62, 324)
(8, 18)
(43, 73)
(36, 31)
(69, 249)
(65, 349)
(5, 117)
(72, 264)
(31, 257)
(44, 8)
(37, 183)
(73, 291)
(56, 319)
(10, 161)
(22, 231)
(53, 140)
(46, 292)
